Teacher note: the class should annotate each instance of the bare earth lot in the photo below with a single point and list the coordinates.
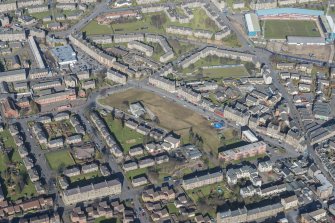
(317, 52)
(171, 115)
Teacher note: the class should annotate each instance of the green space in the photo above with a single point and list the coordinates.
(180, 10)
(152, 23)
(59, 159)
(172, 168)
(249, 159)
(179, 47)
(107, 220)
(217, 73)
(230, 136)
(231, 41)
(172, 208)
(158, 51)
(86, 176)
(218, 190)
(134, 173)
(280, 29)
(331, 11)
(14, 176)
(238, 71)
(70, 12)
(93, 28)
(211, 196)
(40, 15)
(124, 135)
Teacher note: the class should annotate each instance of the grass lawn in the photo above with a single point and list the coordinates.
(93, 28)
(171, 115)
(172, 208)
(280, 29)
(158, 51)
(231, 41)
(179, 47)
(70, 12)
(134, 173)
(238, 71)
(8, 141)
(249, 159)
(40, 15)
(126, 136)
(206, 191)
(86, 176)
(207, 61)
(29, 188)
(107, 220)
(58, 158)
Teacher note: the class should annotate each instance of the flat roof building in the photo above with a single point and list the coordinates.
(328, 27)
(253, 26)
(286, 11)
(64, 55)
(36, 52)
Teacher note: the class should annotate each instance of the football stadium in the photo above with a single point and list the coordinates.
(294, 25)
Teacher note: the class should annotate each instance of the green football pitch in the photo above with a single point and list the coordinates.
(280, 29)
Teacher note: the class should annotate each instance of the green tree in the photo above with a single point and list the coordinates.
(2, 67)
(169, 76)
(61, 168)
(34, 107)
(10, 154)
(123, 120)
(113, 114)
(158, 21)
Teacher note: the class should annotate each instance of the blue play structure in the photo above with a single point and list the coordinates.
(218, 125)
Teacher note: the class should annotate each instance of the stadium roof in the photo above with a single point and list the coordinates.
(252, 22)
(325, 24)
(305, 40)
(331, 23)
(278, 11)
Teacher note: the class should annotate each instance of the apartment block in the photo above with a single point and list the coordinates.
(12, 35)
(249, 172)
(163, 83)
(67, 95)
(125, 38)
(242, 152)
(189, 95)
(201, 180)
(91, 192)
(98, 55)
(144, 48)
(13, 75)
(116, 76)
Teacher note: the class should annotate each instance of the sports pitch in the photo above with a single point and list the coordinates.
(280, 29)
